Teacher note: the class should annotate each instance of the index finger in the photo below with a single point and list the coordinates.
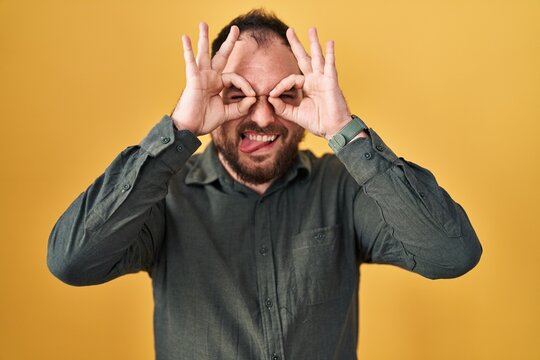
(233, 79)
(222, 55)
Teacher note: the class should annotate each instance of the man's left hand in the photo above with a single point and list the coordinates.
(323, 110)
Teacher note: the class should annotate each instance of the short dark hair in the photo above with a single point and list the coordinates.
(260, 24)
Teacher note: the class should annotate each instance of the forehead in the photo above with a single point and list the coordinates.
(263, 66)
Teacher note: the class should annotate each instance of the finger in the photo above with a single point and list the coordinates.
(304, 61)
(222, 55)
(317, 59)
(293, 80)
(238, 109)
(286, 111)
(203, 59)
(330, 63)
(232, 79)
(189, 58)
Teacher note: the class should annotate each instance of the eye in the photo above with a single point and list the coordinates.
(287, 96)
(236, 97)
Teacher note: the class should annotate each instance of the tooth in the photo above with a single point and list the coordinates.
(265, 138)
(259, 138)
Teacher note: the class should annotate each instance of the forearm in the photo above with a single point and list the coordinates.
(418, 226)
(114, 226)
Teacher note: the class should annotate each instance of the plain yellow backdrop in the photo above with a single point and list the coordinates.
(453, 85)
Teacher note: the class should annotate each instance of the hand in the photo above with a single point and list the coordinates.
(200, 108)
(323, 110)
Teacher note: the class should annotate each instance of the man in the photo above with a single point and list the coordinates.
(254, 247)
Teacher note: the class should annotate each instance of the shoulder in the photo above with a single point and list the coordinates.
(327, 168)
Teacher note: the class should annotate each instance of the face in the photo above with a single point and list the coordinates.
(260, 146)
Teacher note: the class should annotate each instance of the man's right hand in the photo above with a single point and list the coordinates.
(201, 108)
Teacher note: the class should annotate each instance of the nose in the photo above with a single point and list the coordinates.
(262, 112)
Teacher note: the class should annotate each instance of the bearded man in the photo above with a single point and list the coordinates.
(253, 246)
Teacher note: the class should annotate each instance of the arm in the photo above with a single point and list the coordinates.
(402, 216)
(116, 226)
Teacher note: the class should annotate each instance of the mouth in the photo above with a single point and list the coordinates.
(251, 141)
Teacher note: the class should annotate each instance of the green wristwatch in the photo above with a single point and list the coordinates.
(345, 135)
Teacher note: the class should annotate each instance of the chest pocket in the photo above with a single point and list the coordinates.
(319, 265)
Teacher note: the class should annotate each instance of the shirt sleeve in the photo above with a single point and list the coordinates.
(116, 226)
(403, 217)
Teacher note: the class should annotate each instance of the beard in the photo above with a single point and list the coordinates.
(258, 170)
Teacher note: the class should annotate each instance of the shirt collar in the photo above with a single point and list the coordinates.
(208, 168)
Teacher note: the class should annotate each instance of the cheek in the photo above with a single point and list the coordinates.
(228, 127)
(291, 126)
(227, 130)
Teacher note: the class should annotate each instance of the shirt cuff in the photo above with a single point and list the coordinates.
(366, 157)
(170, 145)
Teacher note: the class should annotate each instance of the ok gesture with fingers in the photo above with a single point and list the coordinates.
(200, 108)
(323, 110)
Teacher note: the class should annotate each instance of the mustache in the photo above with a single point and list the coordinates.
(272, 128)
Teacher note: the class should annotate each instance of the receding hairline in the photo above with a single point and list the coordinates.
(263, 37)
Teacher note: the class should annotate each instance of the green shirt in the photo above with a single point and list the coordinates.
(237, 275)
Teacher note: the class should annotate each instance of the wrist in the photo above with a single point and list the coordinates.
(353, 130)
(338, 126)
(182, 125)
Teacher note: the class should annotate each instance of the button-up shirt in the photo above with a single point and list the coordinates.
(238, 275)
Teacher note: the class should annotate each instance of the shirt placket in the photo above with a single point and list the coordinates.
(268, 301)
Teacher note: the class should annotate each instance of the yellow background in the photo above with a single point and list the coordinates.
(453, 85)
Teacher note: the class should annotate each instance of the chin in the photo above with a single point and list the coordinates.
(263, 165)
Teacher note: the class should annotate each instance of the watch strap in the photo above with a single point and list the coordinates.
(347, 133)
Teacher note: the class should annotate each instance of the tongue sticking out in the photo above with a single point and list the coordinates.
(249, 146)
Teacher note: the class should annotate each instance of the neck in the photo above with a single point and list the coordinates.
(258, 188)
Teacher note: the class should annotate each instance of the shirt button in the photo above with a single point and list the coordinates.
(165, 139)
(275, 356)
(179, 148)
(368, 155)
(126, 187)
(379, 148)
(263, 250)
(268, 303)
(421, 194)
